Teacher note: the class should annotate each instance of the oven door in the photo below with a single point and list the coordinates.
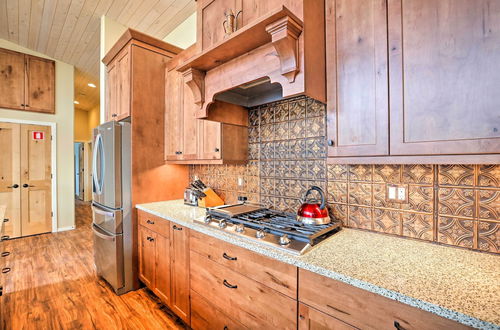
(108, 219)
(108, 257)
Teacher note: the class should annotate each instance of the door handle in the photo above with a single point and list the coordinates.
(99, 234)
(102, 212)
(13, 186)
(27, 185)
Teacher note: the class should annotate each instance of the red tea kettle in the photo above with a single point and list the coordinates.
(311, 212)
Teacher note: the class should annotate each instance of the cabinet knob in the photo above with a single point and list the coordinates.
(114, 115)
(330, 143)
(301, 317)
(150, 222)
(217, 150)
(22, 105)
(13, 186)
(5, 270)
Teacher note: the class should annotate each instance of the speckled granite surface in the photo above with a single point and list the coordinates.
(458, 284)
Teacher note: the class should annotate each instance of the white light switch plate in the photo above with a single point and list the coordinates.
(402, 193)
(391, 192)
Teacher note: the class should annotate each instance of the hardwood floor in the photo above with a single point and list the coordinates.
(53, 285)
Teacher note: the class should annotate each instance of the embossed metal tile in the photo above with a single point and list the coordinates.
(360, 217)
(339, 212)
(337, 192)
(456, 231)
(297, 149)
(281, 112)
(489, 176)
(267, 114)
(360, 173)
(337, 172)
(297, 129)
(421, 199)
(297, 109)
(315, 147)
(418, 225)
(489, 204)
(456, 175)
(254, 116)
(386, 221)
(360, 193)
(387, 173)
(315, 108)
(489, 236)
(315, 127)
(281, 131)
(419, 174)
(456, 202)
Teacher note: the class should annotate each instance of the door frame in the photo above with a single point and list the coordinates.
(53, 161)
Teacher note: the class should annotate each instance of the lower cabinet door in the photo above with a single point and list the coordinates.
(206, 316)
(312, 319)
(163, 274)
(147, 266)
(253, 304)
(179, 300)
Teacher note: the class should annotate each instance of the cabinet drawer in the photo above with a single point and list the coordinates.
(312, 319)
(154, 223)
(253, 304)
(274, 274)
(365, 309)
(205, 316)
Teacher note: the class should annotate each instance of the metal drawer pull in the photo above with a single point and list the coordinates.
(5, 220)
(226, 283)
(150, 222)
(4, 238)
(225, 328)
(177, 228)
(151, 239)
(228, 257)
(398, 326)
(5, 270)
(5, 254)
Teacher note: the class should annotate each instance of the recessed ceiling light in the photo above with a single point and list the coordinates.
(92, 85)
(76, 102)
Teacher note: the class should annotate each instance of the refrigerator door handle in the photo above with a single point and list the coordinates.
(102, 212)
(101, 234)
(98, 180)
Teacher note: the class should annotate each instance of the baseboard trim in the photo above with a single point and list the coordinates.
(65, 228)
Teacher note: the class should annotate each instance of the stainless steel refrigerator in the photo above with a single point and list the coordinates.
(111, 204)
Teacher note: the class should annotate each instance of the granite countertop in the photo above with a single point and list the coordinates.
(458, 284)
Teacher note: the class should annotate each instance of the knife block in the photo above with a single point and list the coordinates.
(211, 200)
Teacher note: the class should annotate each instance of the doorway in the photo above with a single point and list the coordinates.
(79, 148)
(26, 178)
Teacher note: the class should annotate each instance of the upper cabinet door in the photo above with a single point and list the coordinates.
(40, 84)
(112, 84)
(11, 80)
(357, 77)
(211, 19)
(123, 65)
(174, 91)
(444, 75)
(210, 139)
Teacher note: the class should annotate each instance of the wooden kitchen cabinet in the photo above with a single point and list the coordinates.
(164, 262)
(194, 141)
(431, 63)
(313, 319)
(180, 302)
(444, 63)
(363, 309)
(118, 86)
(357, 82)
(147, 255)
(27, 82)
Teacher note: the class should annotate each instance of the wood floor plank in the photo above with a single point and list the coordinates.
(53, 285)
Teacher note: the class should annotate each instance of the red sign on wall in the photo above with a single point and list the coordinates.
(38, 135)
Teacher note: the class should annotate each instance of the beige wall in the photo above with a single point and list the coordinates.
(63, 119)
(184, 35)
(82, 131)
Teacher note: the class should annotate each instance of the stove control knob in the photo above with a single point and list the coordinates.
(222, 224)
(208, 219)
(240, 228)
(284, 240)
(260, 234)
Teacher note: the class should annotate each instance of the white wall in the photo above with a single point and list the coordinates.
(184, 35)
(63, 118)
(111, 31)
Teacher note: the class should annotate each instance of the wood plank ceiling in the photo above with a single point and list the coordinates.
(69, 30)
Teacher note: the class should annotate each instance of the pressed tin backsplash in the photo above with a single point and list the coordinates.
(450, 204)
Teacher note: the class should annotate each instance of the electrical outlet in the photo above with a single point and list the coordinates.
(401, 194)
(196, 178)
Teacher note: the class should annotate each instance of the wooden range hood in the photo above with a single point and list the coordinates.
(283, 46)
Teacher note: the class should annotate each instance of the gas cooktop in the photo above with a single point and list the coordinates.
(268, 226)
